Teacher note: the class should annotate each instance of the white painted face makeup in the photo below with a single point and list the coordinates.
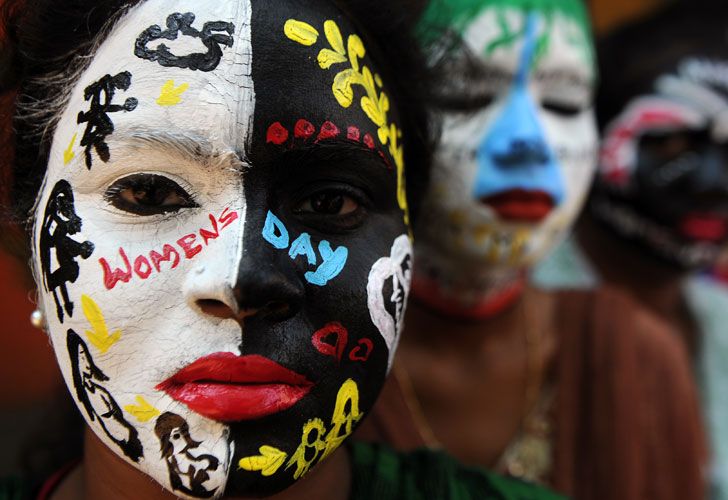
(166, 115)
(518, 149)
(127, 330)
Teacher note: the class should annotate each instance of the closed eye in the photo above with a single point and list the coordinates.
(562, 109)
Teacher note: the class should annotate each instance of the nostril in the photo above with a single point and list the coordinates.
(215, 308)
(277, 309)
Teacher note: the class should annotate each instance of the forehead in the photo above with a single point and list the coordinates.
(496, 31)
(221, 71)
(176, 55)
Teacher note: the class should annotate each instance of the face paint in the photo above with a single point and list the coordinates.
(284, 195)
(518, 146)
(662, 176)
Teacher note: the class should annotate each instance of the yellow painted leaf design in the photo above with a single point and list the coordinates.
(142, 411)
(268, 462)
(342, 87)
(333, 35)
(171, 95)
(68, 154)
(99, 334)
(300, 32)
(356, 51)
(376, 108)
(327, 58)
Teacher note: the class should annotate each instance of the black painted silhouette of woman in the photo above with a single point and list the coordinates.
(97, 401)
(60, 222)
(187, 472)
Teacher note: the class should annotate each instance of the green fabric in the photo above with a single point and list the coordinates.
(383, 474)
(13, 488)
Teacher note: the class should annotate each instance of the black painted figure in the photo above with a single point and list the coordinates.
(100, 95)
(212, 36)
(59, 252)
(97, 401)
(188, 471)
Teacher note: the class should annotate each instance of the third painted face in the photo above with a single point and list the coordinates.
(519, 138)
(221, 241)
(663, 173)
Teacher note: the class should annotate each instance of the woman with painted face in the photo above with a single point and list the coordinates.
(558, 388)
(658, 213)
(219, 216)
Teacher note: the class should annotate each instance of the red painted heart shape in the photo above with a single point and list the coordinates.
(331, 340)
(355, 355)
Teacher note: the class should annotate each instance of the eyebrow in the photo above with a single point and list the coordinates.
(566, 76)
(334, 149)
(194, 147)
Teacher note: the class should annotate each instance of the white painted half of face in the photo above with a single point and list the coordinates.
(142, 329)
(455, 222)
(387, 310)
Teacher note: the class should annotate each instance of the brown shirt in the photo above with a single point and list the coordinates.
(626, 423)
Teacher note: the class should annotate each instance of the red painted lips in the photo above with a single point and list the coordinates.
(704, 227)
(230, 388)
(521, 205)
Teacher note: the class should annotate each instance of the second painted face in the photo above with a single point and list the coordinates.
(519, 137)
(221, 241)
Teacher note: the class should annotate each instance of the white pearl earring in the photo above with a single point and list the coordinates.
(37, 319)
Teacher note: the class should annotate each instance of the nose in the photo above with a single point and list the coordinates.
(711, 181)
(264, 288)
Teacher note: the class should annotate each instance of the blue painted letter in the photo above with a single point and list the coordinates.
(302, 246)
(273, 223)
(333, 263)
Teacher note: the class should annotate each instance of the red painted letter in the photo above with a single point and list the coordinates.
(142, 267)
(210, 235)
(111, 278)
(168, 251)
(186, 242)
(227, 218)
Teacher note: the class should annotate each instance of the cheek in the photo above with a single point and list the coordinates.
(575, 144)
(131, 295)
(456, 166)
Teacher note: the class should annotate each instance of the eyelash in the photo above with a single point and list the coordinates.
(147, 183)
(333, 223)
(562, 109)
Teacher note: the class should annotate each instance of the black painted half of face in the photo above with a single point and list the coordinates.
(332, 187)
(679, 173)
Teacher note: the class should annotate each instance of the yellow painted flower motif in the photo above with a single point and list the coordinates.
(374, 103)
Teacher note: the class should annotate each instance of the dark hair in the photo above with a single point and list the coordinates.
(163, 428)
(50, 40)
(632, 57)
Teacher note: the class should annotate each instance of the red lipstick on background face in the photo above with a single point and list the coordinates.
(520, 205)
(230, 388)
(703, 227)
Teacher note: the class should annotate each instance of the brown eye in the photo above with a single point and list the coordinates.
(329, 203)
(148, 194)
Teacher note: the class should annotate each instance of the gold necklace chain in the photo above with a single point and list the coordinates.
(528, 455)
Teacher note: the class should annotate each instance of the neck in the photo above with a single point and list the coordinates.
(619, 263)
(106, 475)
(464, 290)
